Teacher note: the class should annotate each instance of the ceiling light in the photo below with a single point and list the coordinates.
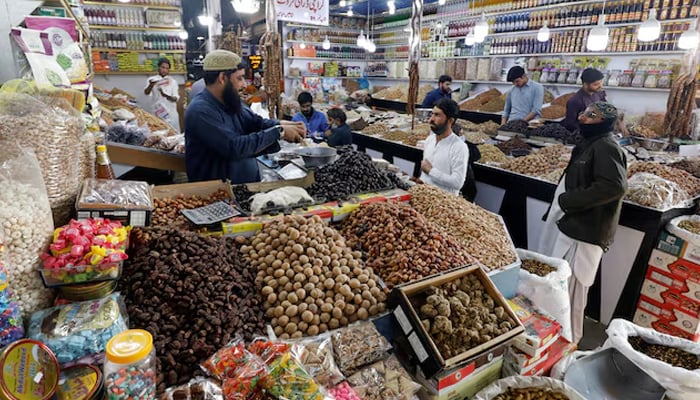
(200, 37)
(183, 35)
(302, 45)
(470, 39)
(204, 20)
(326, 43)
(125, 1)
(370, 46)
(350, 13)
(650, 29)
(690, 38)
(543, 33)
(599, 35)
(441, 2)
(246, 6)
(342, 3)
(361, 39)
(245, 32)
(392, 6)
(481, 29)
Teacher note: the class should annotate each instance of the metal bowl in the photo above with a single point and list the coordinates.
(316, 156)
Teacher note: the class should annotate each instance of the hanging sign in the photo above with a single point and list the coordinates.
(314, 12)
(255, 62)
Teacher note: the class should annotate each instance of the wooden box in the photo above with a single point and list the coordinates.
(421, 344)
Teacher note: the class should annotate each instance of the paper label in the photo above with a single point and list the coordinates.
(417, 347)
(403, 320)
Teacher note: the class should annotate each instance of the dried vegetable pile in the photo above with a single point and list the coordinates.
(192, 293)
(312, 281)
(400, 245)
(481, 233)
(686, 181)
(460, 315)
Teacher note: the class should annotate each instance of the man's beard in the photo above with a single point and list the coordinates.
(308, 114)
(232, 100)
(438, 129)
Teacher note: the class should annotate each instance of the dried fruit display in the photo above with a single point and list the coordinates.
(352, 173)
(460, 315)
(489, 127)
(686, 181)
(167, 210)
(358, 124)
(396, 135)
(669, 355)
(377, 128)
(400, 245)
(548, 97)
(532, 165)
(516, 125)
(653, 191)
(558, 155)
(562, 100)
(554, 112)
(537, 268)
(494, 106)
(414, 139)
(192, 293)
(554, 131)
(690, 226)
(477, 137)
(491, 154)
(513, 144)
(690, 165)
(538, 393)
(480, 232)
(310, 278)
(554, 176)
(480, 99)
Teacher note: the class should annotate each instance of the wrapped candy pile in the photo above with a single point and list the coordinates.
(85, 251)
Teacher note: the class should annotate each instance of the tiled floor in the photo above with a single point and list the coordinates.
(593, 335)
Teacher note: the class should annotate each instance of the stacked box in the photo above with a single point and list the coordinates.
(669, 301)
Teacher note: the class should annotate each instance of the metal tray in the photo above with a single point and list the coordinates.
(609, 375)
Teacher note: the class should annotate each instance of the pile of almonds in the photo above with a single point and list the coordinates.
(478, 231)
(167, 210)
(685, 180)
(310, 279)
(192, 293)
(400, 244)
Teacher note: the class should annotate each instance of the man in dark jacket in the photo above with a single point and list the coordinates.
(583, 217)
(590, 92)
(441, 92)
(223, 137)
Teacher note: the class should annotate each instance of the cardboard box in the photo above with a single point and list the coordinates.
(662, 288)
(651, 313)
(688, 287)
(521, 363)
(541, 329)
(463, 387)
(678, 247)
(420, 343)
(648, 320)
(127, 215)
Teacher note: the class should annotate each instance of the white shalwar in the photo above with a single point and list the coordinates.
(584, 259)
(162, 107)
(449, 158)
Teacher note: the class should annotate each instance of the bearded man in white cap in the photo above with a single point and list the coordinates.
(222, 137)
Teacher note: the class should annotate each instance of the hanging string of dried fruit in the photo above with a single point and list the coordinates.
(679, 107)
(230, 41)
(271, 45)
(413, 56)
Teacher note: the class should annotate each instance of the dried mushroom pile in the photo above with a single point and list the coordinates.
(399, 244)
(491, 154)
(690, 226)
(461, 315)
(537, 268)
(669, 355)
(310, 279)
(192, 293)
(534, 393)
(481, 233)
(167, 210)
(686, 181)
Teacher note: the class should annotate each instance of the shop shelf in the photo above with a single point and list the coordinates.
(106, 50)
(130, 5)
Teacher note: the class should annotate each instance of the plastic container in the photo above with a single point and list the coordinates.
(81, 274)
(29, 371)
(80, 382)
(130, 366)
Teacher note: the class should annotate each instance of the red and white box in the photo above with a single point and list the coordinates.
(666, 318)
(541, 329)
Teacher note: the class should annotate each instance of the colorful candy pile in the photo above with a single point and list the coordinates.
(84, 251)
(11, 328)
(131, 383)
(239, 369)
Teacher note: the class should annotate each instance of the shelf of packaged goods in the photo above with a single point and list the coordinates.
(131, 5)
(477, 13)
(602, 54)
(533, 32)
(135, 28)
(325, 77)
(136, 72)
(306, 42)
(78, 22)
(105, 50)
(328, 59)
(320, 27)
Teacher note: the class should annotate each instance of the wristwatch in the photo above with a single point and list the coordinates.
(281, 130)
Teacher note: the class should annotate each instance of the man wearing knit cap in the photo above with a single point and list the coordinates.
(222, 137)
(582, 219)
(590, 92)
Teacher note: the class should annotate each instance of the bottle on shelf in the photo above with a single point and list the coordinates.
(103, 167)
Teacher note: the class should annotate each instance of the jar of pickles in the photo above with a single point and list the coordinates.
(130, 366)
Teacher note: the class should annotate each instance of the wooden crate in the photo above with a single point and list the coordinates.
(421, 343)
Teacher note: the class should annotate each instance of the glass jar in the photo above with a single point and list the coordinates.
(563, 75)
(130, 366)
(553, 74)
(545, 75)
(614, 79)
(626, 78)
(639, 78)
(573, 76)
(665, 80)
(537, 74)
(652, 80)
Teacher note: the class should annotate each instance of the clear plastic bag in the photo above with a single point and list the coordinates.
(549, 293)
(196, 389)
(53, 129)
(384, 380)
(240, 370)
(79, 331)
(287, 379)
(653, 191)
(11, 327)
(316, 355)
(500, 386)
(681, 384)
(357, 345)
(116, 194)
(27, 225)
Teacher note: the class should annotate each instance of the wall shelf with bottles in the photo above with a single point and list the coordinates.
(134, 28)
(170, 5)
(328, 58)
(105, 50)
(136, 72)
(604, 54)
(325, 28)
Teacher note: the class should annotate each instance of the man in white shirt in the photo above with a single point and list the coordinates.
(445, 155)
(164, 90)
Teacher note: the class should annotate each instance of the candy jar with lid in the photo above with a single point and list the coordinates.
(130, 366)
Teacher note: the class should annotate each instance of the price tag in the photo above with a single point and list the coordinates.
(242, 227)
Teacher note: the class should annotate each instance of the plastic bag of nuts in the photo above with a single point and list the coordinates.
(680, 381)
(384, 380)
(316, 355)
(528, 387)
(357, 345)
(196, 389)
